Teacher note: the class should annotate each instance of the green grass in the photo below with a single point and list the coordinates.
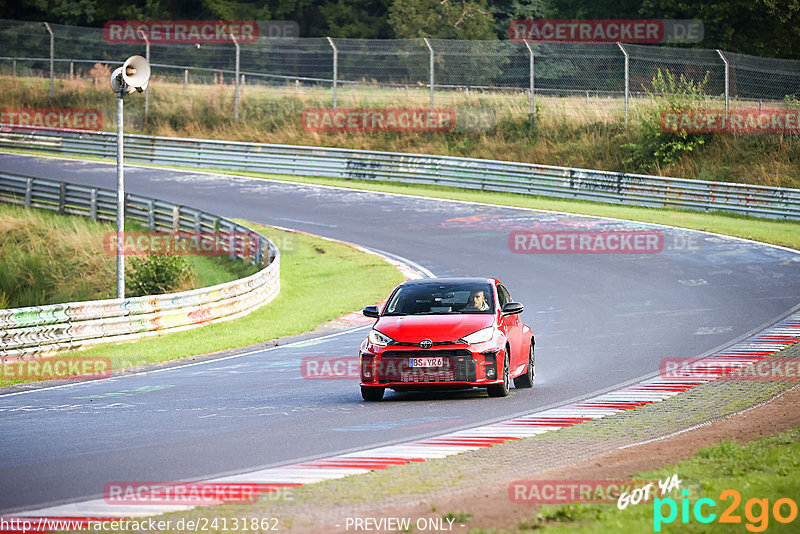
(765, 468)
(320, 280)
(49, 258)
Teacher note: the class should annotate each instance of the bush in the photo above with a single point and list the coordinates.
(153, 275)
(653, 148)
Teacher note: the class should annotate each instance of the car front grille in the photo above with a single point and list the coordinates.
(458, 366)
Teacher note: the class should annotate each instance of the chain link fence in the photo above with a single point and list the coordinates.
(621, 73)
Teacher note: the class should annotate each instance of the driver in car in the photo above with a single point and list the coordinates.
(477, 302)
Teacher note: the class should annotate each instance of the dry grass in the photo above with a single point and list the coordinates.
(577, 131)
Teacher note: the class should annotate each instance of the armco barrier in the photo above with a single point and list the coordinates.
(40, 330)
(488, 175)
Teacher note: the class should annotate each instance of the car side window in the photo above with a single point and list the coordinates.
(502, 295)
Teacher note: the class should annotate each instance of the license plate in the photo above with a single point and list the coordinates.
(436, 361)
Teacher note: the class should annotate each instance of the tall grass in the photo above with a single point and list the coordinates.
(577, 131)
(46, 258)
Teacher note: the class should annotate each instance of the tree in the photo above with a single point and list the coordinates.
(504, 11)
(448, 19)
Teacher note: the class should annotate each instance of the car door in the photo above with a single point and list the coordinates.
(512, 326)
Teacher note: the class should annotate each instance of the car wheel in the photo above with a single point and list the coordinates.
(526, 380)
(501, 390)
(372, 394)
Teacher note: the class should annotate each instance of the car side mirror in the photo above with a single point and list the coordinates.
(371, 311)
(511, 308)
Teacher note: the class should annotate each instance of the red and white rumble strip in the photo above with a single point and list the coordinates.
(277, 479)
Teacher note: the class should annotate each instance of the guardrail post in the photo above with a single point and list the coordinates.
(627, 80)
(52, 56)
(151, 216)
(28, 192)
(231, 243)
(259, 251)
(335, 69)
(430, 67)
(62, 198)
(196, 222)
(93, 204)
(236, 89)
(532, 110)
(176, 218)
(727, 79)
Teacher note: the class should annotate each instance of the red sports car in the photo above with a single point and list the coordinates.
(447, 333)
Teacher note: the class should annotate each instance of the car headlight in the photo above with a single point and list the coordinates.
(481, 336)
(379, 339)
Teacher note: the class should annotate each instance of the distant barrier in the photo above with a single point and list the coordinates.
(468, 173)
(40, 330)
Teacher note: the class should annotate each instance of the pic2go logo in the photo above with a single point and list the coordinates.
(756, 511)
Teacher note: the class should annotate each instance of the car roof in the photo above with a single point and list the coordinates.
(451, 280)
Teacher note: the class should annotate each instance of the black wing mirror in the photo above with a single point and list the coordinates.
(371, 311)
(512, 307)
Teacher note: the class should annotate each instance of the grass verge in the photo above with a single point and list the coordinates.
(49, 258)
(320, 280)
(760, 473)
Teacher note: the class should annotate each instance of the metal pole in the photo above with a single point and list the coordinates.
(727, 79)
(52, 54)
(532, 87)
(430, 48)
(147, 57)
(335, 69)
(120, 202)
(185, 78)
(236, 90)
(627, 84)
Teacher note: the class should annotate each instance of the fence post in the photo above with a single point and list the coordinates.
(236, 90)
(430, 48)
(71, 70)
(147, 57)
(52, 55)
(335, 69)
(15, 68)
(532, 110)
(627, 79)
(727, 78)
(185, 78)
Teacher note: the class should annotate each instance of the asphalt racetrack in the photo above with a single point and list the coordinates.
(600, 320)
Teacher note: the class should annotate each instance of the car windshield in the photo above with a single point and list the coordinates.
(441, 298)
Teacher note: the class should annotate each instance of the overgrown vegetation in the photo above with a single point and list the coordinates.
(586, 132)
(46, 258)
(652, 147)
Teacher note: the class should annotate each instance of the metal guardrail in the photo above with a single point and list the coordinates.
(41, 330)
(486, 175)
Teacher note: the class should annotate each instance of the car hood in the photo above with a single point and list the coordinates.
(437, 328)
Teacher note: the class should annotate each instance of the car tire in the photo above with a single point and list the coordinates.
(372, 394)
(501, 390)
(526, 380)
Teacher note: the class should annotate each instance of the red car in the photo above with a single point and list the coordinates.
(447, 333)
